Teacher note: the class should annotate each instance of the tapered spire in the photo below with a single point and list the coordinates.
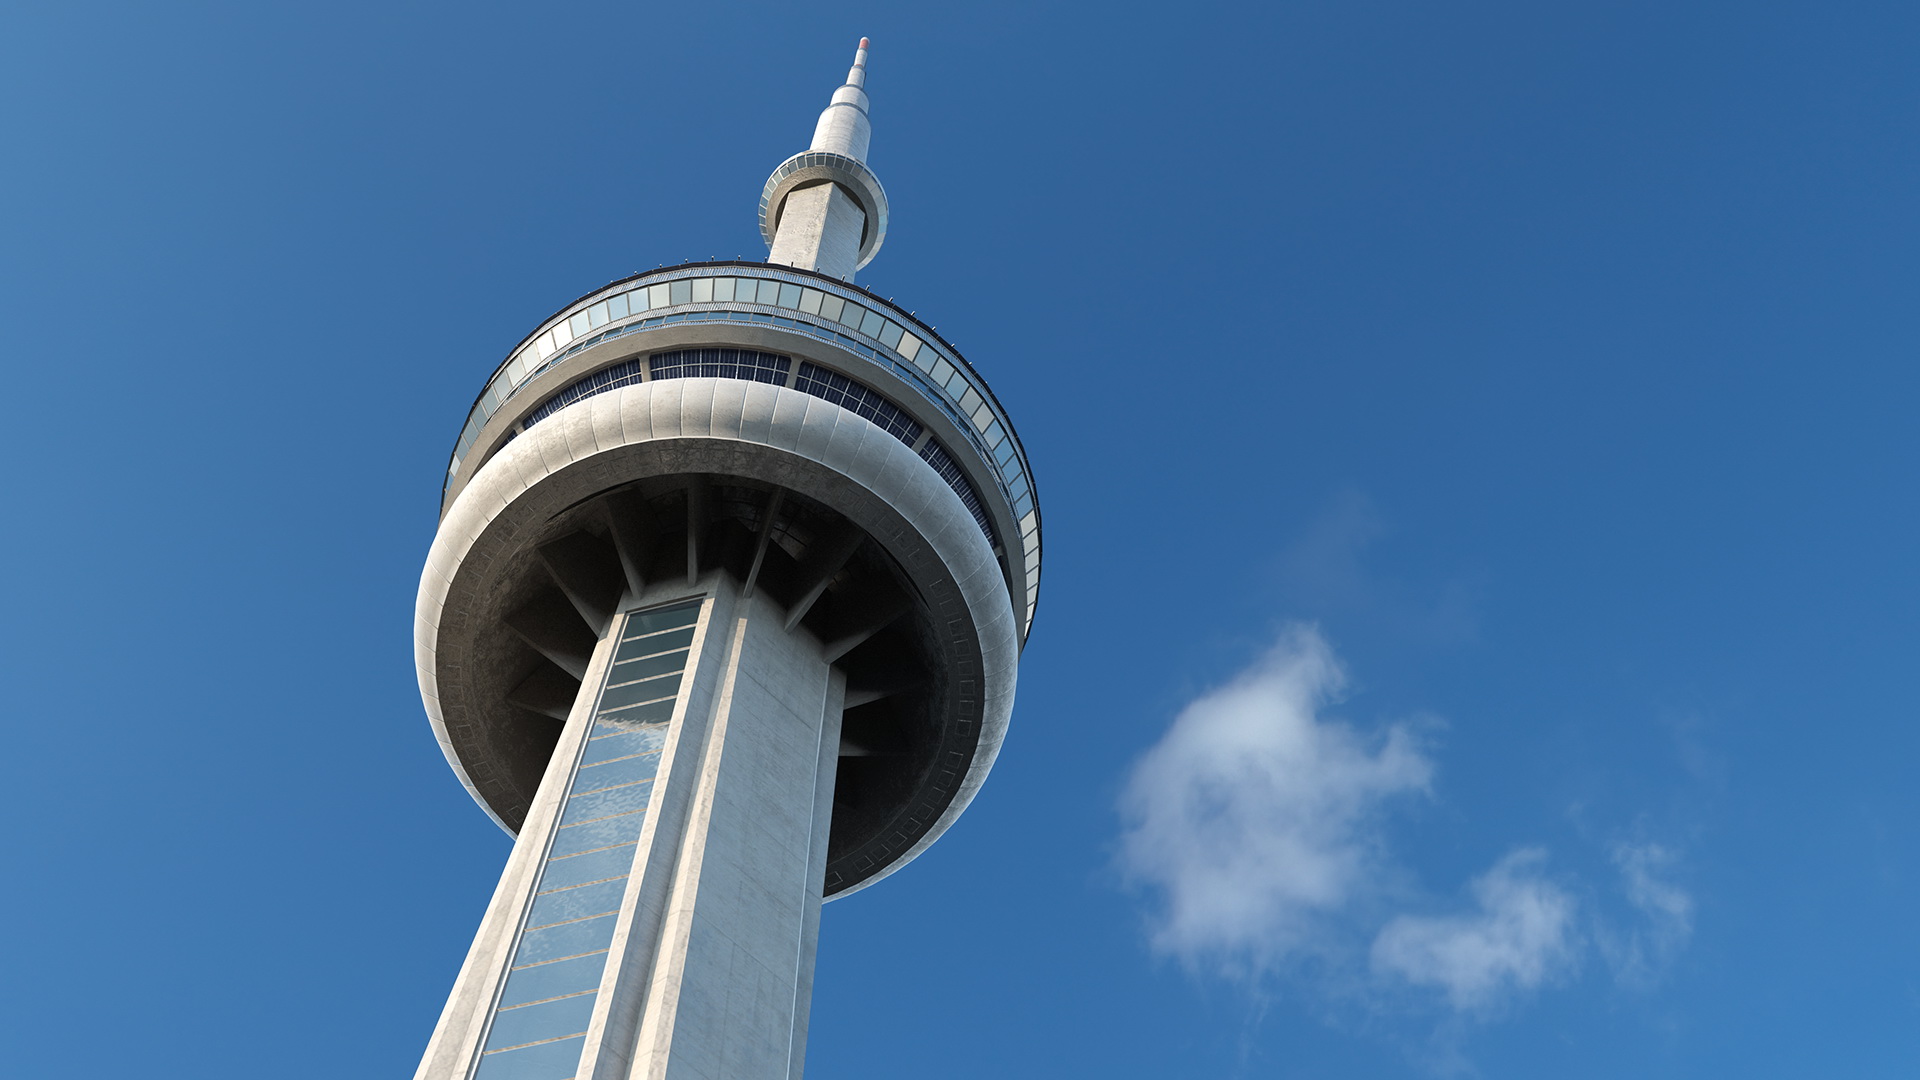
(823, 209)
(845, 125)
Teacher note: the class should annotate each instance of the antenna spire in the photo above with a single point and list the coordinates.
(845, 126)
(823, 209)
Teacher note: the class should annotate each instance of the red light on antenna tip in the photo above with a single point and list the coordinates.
(863, 43)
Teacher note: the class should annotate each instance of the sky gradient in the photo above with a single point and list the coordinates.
(1475, 445)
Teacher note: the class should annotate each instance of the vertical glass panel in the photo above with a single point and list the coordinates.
(617, 306)
(702, 290)
(582, 869)
(635, 647)
(560, 955)
(543, 1061)
(890, 333)
(831, 306)
(681, 292)
(870, 324)
(957, 385)
(558, 979)
(723, 289)
(769, 293)
(852, 314)
(538, 1023)
(789, 295)
(567, 905)
(810, 300)
(657, 295)
(597, 315)
(909, 347)
(592, 836)
(563, 940)
(543, 345)
(577, 325)
(942, 372)
(636, 301)
(517, 368)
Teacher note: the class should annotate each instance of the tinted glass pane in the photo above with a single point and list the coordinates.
(547, 1061)
(655, 643)
(702, 290)
(657, 296)
(769, 292)
(723, 288)
(553, 980)
(652, 714)
(599, 804)
(681, 292)
(852, 314)
(566, 939)
(648, 622)
(647, 667)
(648, 739)
(565, 873)
(870, 325)
(597, 314)
(617, 306)
(533, 1023)
(598, 834)
(789, 295)
(810, 300)
(634, 693)
(570, 904)
(578, 324)
(832, 306)
(626, 770)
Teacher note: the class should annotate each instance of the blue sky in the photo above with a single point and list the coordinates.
(1477, 458)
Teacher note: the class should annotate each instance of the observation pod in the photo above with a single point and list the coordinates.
(723, 617)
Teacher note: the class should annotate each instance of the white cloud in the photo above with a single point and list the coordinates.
(1260, 825)
(1520, 937)
(1640, 953)
(1255, 818)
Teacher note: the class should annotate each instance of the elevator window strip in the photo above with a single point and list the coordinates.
(539, 1023)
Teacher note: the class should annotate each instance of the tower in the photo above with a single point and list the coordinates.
(722, 620)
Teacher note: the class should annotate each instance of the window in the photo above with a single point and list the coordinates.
(538, 1025)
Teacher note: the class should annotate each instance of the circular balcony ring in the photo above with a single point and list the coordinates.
(814, 166)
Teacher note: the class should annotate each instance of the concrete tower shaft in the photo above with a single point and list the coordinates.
(722, 619)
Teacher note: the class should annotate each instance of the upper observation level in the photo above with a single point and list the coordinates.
(885, 357)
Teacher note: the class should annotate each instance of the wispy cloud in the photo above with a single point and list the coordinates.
(1641, 951)
(1255, 816)
(1519, 937)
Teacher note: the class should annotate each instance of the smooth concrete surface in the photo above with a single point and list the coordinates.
(820, 230)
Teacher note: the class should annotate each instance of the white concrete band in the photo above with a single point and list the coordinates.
(683, 416)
